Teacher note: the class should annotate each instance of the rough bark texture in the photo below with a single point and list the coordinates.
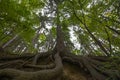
(48, 74)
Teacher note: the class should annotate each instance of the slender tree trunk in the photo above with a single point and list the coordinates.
(5, 45)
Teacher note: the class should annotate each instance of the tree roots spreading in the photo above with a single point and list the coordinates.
(49, 66)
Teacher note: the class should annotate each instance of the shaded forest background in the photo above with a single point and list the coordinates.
(59, 40)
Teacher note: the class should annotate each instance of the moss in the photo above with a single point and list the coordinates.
(113, 63)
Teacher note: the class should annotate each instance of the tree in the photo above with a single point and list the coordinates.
(46, 35)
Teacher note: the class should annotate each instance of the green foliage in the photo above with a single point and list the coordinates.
(53, 31)
(112, 64)
(19, 15)
(18, 18)
(102, 18)
(42, 37)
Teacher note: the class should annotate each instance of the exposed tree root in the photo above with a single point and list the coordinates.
(15, 57)
(93, 66)
(89, 64)
(49, 66)
(96, 75)
(48, 74)
(7, 64)
(41, 55)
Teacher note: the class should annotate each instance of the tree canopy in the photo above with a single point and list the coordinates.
(89, 26)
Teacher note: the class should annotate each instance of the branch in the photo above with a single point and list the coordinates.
(110, 45)
(118, 32)
(93, 37)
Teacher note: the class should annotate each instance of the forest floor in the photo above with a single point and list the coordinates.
(71, 71)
